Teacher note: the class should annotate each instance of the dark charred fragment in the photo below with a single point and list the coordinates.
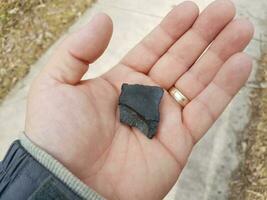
(139, 107)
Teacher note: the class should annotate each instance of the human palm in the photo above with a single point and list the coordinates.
(78, 121)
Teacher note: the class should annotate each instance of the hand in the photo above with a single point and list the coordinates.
(78, 121)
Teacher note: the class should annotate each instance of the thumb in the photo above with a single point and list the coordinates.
(76, 52)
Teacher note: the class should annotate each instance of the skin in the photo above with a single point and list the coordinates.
(78, 121)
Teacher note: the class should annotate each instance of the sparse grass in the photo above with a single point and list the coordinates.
(250, 180)
(27, 29)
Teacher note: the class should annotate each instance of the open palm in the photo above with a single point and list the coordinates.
(78, 121)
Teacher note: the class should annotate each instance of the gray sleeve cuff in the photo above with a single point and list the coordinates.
(59, 170)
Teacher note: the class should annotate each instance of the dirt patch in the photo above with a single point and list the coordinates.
(27, 29)
(250, 179)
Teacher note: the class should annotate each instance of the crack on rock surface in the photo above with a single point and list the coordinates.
(139, 107)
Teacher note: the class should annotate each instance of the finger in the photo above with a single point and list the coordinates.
(72, 57)
(233, 39)
(191, 45)
(178, 140)
(142, 57)
(202, 112)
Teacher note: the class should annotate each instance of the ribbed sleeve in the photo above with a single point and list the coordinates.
(61, 172)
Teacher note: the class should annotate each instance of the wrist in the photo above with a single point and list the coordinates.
(58, 169)
(58, 149)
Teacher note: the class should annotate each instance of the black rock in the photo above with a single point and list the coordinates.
(139, 107)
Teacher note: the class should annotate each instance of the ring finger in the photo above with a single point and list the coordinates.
(233, 39)
(185, 51)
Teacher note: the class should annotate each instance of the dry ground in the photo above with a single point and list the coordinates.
(250, 179)
(27, 29)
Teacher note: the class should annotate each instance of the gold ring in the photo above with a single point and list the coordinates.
(179, 97)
